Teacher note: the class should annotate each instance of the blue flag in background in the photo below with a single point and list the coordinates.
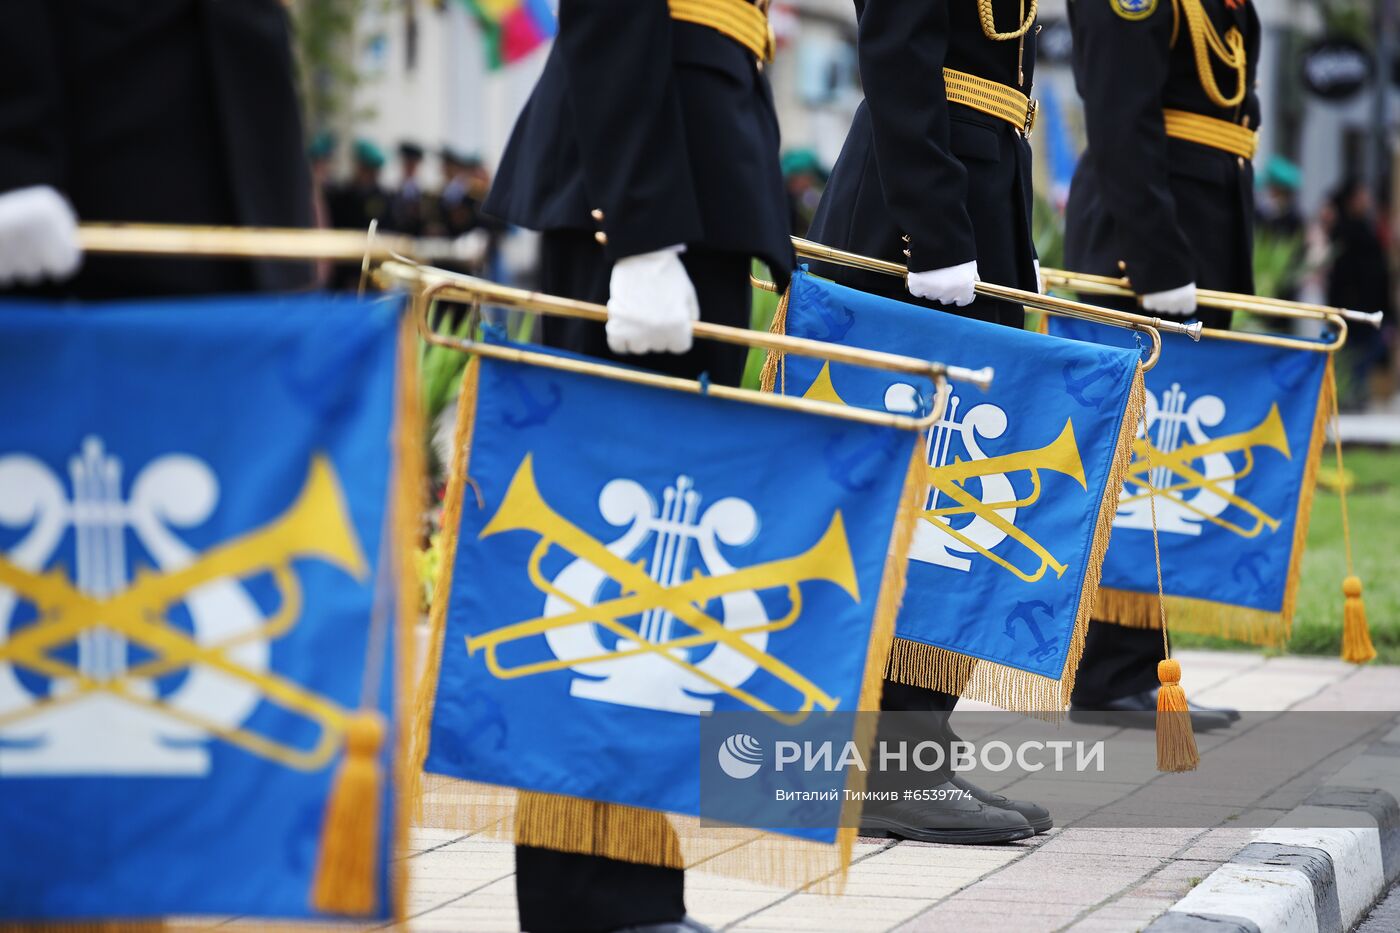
(1234, 431)
(1004, 564)
(637, 558)
(193, 497)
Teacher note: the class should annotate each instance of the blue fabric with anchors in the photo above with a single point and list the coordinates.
(561, 669)
(1000, 559)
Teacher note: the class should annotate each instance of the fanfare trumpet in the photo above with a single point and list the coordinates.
(1059, 456)
(314, 527)
(1050, 304)
(1149, 459)
(392, 262)
(1084, 283)
(524, 509)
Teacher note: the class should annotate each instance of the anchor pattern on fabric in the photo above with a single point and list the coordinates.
(1191, 474)
(102, 645)
(685, 625)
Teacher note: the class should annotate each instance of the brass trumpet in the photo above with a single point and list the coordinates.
(1050, 304)
(1087, 284)
(391, 262)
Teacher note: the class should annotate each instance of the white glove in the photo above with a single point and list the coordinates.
(651, 304)
(950, 286)
(38, 236)
(1172, 301)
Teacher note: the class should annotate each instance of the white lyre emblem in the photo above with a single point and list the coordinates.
(681, 535)
(104, 720)
(1191, 473)
(933, 541)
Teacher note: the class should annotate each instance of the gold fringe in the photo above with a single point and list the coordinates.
(1201, 616)
(408, 527)
(773, 362)
(1222, 620)
(1011, 688)
(1316, 441)
(892, 585)
(591, 827)
(437, 613)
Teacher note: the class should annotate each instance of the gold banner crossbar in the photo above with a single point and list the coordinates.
(391, 262)
(1084, 283)
(1050, 304)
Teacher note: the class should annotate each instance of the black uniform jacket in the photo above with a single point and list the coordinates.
(1171, 211)
(956, 181)
(667, 128)
(168, 111)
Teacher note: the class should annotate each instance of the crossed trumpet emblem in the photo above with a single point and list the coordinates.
(1165, 467)
(993, 508)
(653, 664)
(315, 527)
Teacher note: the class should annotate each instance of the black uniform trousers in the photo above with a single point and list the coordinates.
(561, 892)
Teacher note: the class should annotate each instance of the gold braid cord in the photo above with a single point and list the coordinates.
(1205, 43)
(989, 25)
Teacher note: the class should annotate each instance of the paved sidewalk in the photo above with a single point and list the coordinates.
(1086, 880)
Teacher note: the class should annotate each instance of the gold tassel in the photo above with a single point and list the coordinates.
(1356, 634)
(1176, 743)
(346, 872)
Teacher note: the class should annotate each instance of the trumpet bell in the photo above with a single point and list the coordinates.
(318, 524)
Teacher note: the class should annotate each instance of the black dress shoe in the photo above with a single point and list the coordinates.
(1139, 711)
(1035, 815)
(958, 817)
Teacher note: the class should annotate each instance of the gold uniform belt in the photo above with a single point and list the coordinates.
(744, 22)
(1209, 131)
(997, 100)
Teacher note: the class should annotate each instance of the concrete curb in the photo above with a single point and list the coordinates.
(1320, 870)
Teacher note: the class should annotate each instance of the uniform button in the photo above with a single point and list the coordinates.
(596, 214)
(1241, 162)
(601, 237)
(1122, 265)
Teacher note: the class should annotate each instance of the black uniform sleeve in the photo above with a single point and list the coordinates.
(629, 122)
(31, 102)
(1121, 67)
(902, 45)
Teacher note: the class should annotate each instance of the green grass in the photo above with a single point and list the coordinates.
(1373, 502)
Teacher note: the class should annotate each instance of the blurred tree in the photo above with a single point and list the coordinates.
(325, 51)
(1347, 18)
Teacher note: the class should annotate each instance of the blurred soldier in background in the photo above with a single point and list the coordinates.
(165, 111)
(408, 206)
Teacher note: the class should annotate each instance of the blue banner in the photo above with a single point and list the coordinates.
(193, 499)
(1003, 565)
(633, 558)
(1232, 432)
